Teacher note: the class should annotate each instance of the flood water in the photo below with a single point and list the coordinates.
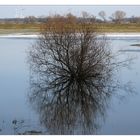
(17, 115)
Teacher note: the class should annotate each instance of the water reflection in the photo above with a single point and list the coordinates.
(22, 111)
(76, 105)
(75, 102)
(72, 109)
(72, 81)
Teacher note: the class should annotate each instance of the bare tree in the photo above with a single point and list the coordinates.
(118, 16)
(71, 18)
(102, 14)
(73, 77)
(88, 18)
(85, 14)
(30, 19)
(134, 19)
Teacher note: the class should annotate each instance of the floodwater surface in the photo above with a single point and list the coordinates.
(18, 116)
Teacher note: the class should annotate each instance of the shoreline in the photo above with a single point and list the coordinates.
(32, 35)
(123, 34)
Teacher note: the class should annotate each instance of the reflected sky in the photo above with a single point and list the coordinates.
(123, 116)
(14, 83)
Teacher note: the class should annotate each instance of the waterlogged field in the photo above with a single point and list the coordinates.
(17, 116)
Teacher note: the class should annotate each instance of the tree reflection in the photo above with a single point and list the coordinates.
(73, 110)
(72, 78)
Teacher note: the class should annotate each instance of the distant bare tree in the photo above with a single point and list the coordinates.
(87, 17)
(102, 14)
(93, 18)
(118, 16)
(85, 14)
(71, 18)
(30, 19)
(134, 19)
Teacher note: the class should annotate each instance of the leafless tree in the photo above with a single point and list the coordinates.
(88, 18)
(102, 14)
(30, 19)
(73, 79)
(134, 19)
(85, 14)
(71, 18)
(118, 16)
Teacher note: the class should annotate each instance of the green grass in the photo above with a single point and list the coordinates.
(34, 27)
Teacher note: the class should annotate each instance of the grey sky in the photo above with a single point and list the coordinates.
(11, 11)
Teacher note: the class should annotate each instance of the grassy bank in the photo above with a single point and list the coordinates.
(119, 27)
(102, 27)
(19, 28)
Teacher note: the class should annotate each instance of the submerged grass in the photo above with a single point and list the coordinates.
(137, 45)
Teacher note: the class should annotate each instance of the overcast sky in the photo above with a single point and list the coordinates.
(14, 11)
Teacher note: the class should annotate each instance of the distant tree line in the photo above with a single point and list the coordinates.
(116, 17)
